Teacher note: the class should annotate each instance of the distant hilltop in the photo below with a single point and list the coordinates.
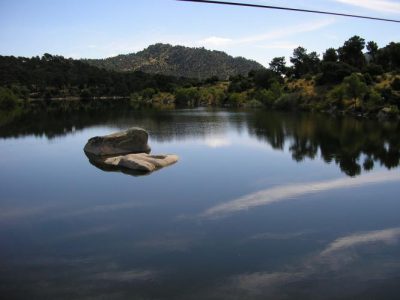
(179, 61)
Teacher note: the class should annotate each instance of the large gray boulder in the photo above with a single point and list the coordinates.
(132, 140)
(126, 151)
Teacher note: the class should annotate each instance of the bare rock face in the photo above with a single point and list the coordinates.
(126, 150)
(133, 140)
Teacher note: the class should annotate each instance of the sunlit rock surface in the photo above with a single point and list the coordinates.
(142, 161)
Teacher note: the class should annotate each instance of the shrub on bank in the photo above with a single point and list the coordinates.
(8, 100)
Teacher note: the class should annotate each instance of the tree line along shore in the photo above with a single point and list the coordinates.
(358, 78)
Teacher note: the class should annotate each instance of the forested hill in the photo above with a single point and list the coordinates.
(179, 61)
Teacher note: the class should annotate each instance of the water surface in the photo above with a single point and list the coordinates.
(261, 205)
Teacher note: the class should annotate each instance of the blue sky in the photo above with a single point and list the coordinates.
(103, 28)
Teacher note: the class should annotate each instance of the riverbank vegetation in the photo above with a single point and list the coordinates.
(358, 78)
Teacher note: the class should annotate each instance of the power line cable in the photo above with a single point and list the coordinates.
(291, 9)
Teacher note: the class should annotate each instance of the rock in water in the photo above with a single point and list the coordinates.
(141, 161)
(126, 150)
(133, 140)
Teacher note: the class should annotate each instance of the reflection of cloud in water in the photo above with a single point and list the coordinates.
(125, 276)
(15, 213)
(168, 243)
(322, 267)
(282, 193)
(280, 236)
(104, 208)
(389, 236)
(97, 230)
(53, 211)
(259, 280)
(216, 142)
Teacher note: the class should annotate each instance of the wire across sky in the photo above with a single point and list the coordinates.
(291, 9)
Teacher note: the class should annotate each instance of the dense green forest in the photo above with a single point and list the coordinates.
(358, 78)
(55, 76)
(179, 61)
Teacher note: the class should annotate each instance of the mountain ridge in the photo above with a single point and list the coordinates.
(179, 61)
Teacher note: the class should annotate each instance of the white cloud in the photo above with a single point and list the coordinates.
(285, 192)
(280, 45)
(215, 41)
(376, 5)
(390, 235)
(278, 33)
(288, 31)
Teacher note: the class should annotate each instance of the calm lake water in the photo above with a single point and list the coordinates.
(260, 205)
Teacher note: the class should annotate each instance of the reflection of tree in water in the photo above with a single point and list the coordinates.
(352, 144)
(52, 125)
(162, 125)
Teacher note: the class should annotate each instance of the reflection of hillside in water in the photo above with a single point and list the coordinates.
(354, 145)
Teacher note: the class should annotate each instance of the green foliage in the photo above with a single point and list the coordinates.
(212, 96)
(373, 69)
(333, 72)
(367, 79)
(336, 96)
(266, 97)
(236, 99)
(344, 80)
(179, 61)
(278, 65)
(373, 100)
(351, 52)
(145, 97)
(265, 78)
(330, 55)
(355, 87)
(21, 92)
(253, 103)
(396, 84)
(389, 56)
(304, 63)
(372, 48)
(287, 102)
(391, 111)
(353, 93)
(187, 97)
(148, 93)
(8, 100)
(211, 80)
(56, 76)
(163, 100)
(241, 83)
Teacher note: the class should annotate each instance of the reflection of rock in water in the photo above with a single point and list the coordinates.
(98, 163)
(105, 152)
